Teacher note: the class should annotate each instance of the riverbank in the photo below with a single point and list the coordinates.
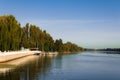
(8, 56)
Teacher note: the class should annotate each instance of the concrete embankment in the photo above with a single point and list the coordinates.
(8, 56)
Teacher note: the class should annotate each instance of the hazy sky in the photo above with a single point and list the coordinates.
(88, 23)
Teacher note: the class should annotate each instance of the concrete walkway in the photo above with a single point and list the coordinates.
(8, 56)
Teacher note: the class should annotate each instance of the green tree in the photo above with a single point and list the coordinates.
(10, 33)
(25, 36)
(13, 37)
(58, 45)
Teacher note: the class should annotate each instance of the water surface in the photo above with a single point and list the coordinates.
(80, 66)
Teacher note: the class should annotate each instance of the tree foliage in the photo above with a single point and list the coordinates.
(13, 37)
(10, 33)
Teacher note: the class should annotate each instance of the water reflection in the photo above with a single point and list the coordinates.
(85, 66)
(26, 68)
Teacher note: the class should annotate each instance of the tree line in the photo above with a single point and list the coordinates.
(13, 37)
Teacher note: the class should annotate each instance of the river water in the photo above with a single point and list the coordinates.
(76, 66)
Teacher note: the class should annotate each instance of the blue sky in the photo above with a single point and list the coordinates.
(88, 23)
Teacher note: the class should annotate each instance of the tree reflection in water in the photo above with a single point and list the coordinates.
(31, 70)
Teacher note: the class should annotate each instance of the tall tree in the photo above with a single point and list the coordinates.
(58, 46)
(25, 36)
(10, 33)
(13, 37)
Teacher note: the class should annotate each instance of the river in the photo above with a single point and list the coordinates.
(76, 66)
